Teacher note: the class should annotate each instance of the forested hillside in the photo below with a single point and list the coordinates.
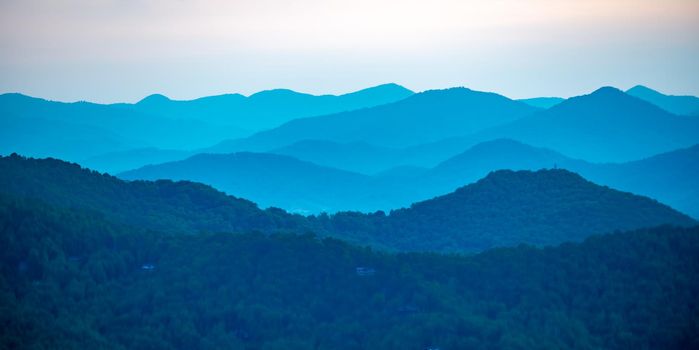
(545, 207)
(72, 280)
(606, 125)
(504, 209)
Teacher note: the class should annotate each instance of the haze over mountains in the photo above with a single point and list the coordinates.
(505, 208)
(301, 186)
(376, 158)
(542, 102)
(442, 219)
(683, 105)
(79, 271)
(38, 127)
(425, 117)
(272, 180)
(268, 109)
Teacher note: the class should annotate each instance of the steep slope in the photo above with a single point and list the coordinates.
(424, 117)
(507, 208)
(683, 105)
(270, 108)
(273, 180)
(64, 275)
(542, 102)
(604, 126)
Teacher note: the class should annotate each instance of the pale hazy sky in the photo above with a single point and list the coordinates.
(122, 50)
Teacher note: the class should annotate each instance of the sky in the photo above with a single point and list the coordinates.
(123, 50)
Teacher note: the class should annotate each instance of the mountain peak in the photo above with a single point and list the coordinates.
(276, 93)
(607, 91)
(389, 88)
(603, 98)
(641, 89)
(154, 98)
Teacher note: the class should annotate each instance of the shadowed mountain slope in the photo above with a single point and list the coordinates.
(505, 208)
(67, 273)
(543, 208)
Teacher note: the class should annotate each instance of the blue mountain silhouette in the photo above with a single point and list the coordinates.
(270, 108)
(542, 102)
(683, 105)
(425, 117)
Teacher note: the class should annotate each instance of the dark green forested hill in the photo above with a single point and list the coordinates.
(70, 279)
(162, 205)
(504, 209)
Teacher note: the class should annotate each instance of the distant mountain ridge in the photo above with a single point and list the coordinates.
(683, 105)
(269, 108)
(539, 205)
(68, 272)
(505, 208)
(39, 127)
(542, 102)
(604, 126)
(303, 186)
(668, 177)
(424, 117)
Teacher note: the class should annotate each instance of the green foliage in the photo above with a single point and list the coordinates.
(504, 209)
(183, 207)
(71, 279)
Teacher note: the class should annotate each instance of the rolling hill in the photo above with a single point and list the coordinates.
(64, 127)
(267, 109)
(177, 207)
(545, 207)
(272, 180)
(670, 177)
(120, 161)
(358, 157)
(683, 105)
(38, 127)
(53, 138)
(604, 126)
(71, 279)
(424, 117)
(505, 208)
(305, 187)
